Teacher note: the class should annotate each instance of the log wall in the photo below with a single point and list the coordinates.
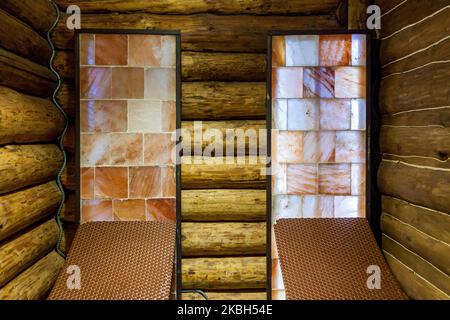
(415, 170)
(29, 158)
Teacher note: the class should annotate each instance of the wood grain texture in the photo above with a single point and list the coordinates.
(66, 98)
(223, 205)
(243, 173)
(223, 66)
(420, 186)
(202, 32)
(26, 119)
(414, 285)
(427, 141)
(387, 5)
(25, 76)
(223, 238)
(238, 137)
(357, 15)
(224, 273)
(421, 266)
(38, 14)
(25, 165)
(431, 117)
(68, 212)
(22, 251)
(222, 101)
(226, 296)
(64, 64)
(35, 282)
(200, 6)
(23, 40)
(21, 209)
(429, 248)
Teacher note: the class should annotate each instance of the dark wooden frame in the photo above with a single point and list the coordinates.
(372, 198)
(177, 34)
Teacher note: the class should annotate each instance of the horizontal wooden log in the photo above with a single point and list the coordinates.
(35, 282)
(25, 76)
(21, 209)
(432, 222)
(69, 138)
(202, 32)
(420, 266)
(68, 236)
(203, 66)
(226, 296)
(201, 6)
(26, 119)
(21, 39)
(387, 5)
(68, 211)
(357, 15)
(438, 52)
(429, 248)
(414, 285)
(221, 101)
(426, 117)
(224, 273)
(429, 141)
(422, 186)
(68, 178)
(66, 98)
(243, 173)
(419, 36)
(223, 205)
(223, 238)
(424, 88)
(38, 14)
(22, 251)
(245, 137)
(25, 165)
(64, 64)
(418, 161)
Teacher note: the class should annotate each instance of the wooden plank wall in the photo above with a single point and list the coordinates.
(29, 157)
(414, 176)
(223, 84)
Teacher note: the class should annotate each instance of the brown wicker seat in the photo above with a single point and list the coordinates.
(120, 261)
(327, 259)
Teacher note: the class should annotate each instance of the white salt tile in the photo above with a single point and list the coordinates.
(302, 50)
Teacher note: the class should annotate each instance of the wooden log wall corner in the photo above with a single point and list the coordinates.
(415, 171)
(30, 159)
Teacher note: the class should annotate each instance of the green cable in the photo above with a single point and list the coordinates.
(61, 137)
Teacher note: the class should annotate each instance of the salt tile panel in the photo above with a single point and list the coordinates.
(350, 146)
(335, 50)
(111, 49)
(326, 206)
(159, 149)
(350, 82)
(286, 206)
(277, 278)
(287, 82)
(87, 183)
(144, 116)
(110, 116)
(310, 207)
(302, 50)
(302, 179)
(87, 49)
(279, 181)
(358, 179)
(278, 51)
(145, 182)
(359, 50)
(289, 146)
(160, 84)
(335, 114)
(335, 179)
(161, 210)
(349, 206)
(318, 82)
(169, 116)
(128, 83)
(168, 182)
(126, 149)
(96, 210)
(358, 120)
(111, 182)
(95, 82)
(280, 114)
(303, 114)
(129, 210)
(87, 116)
(94, 149)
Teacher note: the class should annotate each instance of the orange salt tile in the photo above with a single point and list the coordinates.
(145, 182)
(168, 116)
(129, 210)
(111, 182)
(87, 49)
(96, 210)
(128, 83)
(87, 183)
(335, 50)
(168, 182)
(278, 51)
(110, 116)
(159, 149)
(87, 117)
(95, 82)
(126, 149)
(160, 84)
(94, 149)
(111, 49)
(145, 50)
(161, 210)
